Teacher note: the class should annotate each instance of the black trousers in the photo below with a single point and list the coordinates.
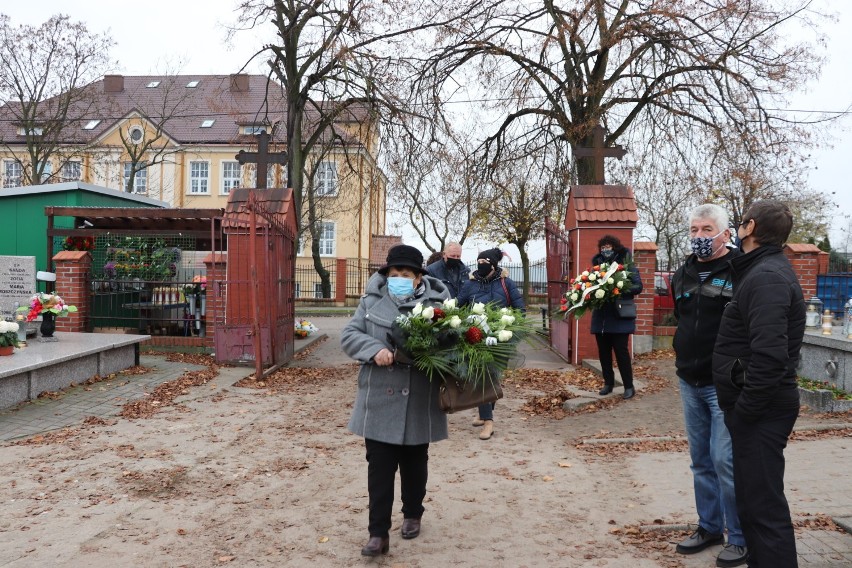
(382, 462)
(607, 343)
(759, 486)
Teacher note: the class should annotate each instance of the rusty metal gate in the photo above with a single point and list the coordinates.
(558, 273)
(256, 323)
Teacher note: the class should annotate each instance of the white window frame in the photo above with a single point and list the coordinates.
(317, 289)
(297, 289)
(12, 179)
(253, 129)
(72, 170)
(199, 184)
(91, 124)
(325, 178)
(324, 242)
(229, 182)
(140, 184)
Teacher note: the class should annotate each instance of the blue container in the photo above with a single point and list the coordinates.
(834, 290)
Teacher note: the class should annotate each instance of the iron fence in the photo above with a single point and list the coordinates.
(308, 284)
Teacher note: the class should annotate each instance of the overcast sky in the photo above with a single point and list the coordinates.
(156, 33)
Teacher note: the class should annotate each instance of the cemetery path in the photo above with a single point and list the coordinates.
(269, 477)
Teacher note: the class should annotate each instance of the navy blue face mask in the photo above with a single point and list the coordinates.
(607, 254)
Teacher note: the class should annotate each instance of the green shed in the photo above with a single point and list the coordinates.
(23, 229)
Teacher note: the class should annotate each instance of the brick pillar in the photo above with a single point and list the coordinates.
(807, 261)
(340, 282)
(645, 257)
(216, 271)
(72, 284)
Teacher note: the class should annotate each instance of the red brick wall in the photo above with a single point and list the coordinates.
(808, 261)
(645, 257)
(72, 284)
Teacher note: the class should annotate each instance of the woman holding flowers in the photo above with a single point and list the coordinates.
(489, 284)
(612, 331)
(396, 407)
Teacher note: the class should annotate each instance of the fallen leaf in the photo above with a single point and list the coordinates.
(323, 539)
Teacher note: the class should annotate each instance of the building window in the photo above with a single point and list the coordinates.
(12, 172)
(317, 289)
(91, 124)
(270, 175)
(325, 180)
(199, 177)
(140, 183)
(327, 241)
(71, 171)
(192, 84)
(153, 84)
(46, 172)
(253, 129)
(297, 290)
(208, 123)
(231, 176)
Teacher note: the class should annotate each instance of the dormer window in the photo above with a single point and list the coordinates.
(208, 123)
(34, 131)
(192, 84)
(253, 129)
(91, 124)
(153, 84)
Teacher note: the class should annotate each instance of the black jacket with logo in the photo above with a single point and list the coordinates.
(698, 308)
(757, 350)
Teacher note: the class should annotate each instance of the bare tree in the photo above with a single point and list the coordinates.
(713, 64)
(145, 135)
(43, 72)
(336, 57)
(434, 185)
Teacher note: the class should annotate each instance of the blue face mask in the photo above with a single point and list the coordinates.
(607, 254)
(400, 286)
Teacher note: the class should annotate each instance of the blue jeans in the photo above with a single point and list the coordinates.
(712, 462)
(486, 411)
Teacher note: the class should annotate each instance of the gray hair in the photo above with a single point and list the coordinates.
(713, 212)
(451, 244)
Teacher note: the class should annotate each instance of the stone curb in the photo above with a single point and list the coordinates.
(843, 521)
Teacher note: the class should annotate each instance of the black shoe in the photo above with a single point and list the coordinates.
(410, 528)
(698, 541)
(606, 390)
(629, 393)
(732, 555)
(375, 546)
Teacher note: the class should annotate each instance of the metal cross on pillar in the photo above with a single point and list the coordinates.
(598, 152)
(263, 158)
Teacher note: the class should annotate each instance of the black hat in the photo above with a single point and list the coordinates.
(403, 255)
(493, 256)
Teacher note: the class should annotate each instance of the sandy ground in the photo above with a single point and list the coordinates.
(270, 477)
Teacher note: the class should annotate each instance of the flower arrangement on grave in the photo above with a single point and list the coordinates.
(47, 303)
(473, 343)
(304, 328)
(200, 283)
(79, 243)
(8, 334)
(595, 287)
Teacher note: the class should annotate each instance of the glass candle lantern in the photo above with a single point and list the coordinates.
(813, 314)
(847, 319)
(827, 322)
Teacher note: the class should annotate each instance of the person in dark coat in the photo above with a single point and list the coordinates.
(612, 332)
(489, 284)
(450, 269)
(754, 371)
(396, 408)
(701, 289)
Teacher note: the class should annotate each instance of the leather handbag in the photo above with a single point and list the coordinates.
(626, 308)
(456, 395)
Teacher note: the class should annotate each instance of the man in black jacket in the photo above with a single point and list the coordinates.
(754, 370)
(701, 288)
(450, 270)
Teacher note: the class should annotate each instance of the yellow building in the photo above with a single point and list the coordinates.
(176, 138)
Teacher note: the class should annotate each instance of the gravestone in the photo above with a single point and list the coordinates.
(17, 282)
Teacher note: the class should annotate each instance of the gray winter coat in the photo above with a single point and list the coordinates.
(396, 404)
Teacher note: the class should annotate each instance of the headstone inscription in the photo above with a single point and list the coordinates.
(17, 282)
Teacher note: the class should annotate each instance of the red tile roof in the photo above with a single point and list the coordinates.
(379, 247)
(803, 247)
(603, 203)
(275, 203)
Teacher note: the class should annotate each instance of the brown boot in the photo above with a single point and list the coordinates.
(487, 430)
(375, 546)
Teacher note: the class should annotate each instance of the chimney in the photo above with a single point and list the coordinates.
(113, 83)
(239, 83)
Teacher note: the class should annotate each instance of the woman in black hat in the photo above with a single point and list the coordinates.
(489, 284)
(396, 408)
